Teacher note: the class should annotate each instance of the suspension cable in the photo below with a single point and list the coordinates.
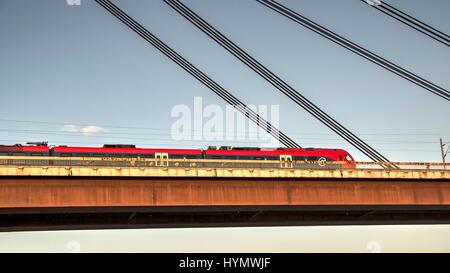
(412, 22)
(199, 75)
(275, 80)
(294, 16)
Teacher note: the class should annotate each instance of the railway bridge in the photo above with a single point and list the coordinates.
(47, 193)
(76, 193)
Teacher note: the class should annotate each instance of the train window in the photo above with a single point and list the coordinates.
(3, 160)
(190, 156)
(18, 154)
(65, 154)
(36, 154)
(348, 158)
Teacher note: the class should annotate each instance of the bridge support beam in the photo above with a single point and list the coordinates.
(77, 202)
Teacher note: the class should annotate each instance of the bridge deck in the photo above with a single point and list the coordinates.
(88, 194)
(221, 172)
(131, 167)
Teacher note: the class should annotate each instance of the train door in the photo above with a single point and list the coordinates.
(161, 159)
(286, 161)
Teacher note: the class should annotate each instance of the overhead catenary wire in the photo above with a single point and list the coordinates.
(412, 22)
(276, 81)
(199, 75)
(41, 122)
(357, 49)
(144, 144)
(151, 136)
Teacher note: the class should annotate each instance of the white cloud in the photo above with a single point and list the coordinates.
(87, 131)
(90, 130)
(71, 128)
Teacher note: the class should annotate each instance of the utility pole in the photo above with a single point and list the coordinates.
(443, 154)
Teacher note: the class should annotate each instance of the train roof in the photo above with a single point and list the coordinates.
(74, 149)
(131, 149)
(23, 148)
(277, 151)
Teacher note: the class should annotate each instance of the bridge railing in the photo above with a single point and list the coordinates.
(20, 161)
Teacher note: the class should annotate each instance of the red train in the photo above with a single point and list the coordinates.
(223, 152)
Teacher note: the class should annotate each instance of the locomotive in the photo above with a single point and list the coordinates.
(115, 151)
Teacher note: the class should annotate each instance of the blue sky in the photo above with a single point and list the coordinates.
(69, 65)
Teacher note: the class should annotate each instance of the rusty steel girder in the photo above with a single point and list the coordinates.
(16, 192)
(48, 203)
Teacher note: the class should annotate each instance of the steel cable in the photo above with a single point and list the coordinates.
(216, 88)
(294, 16)
(275, 80)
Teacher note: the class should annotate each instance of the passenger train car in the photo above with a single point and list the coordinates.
(287, 156)
(19, 150)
